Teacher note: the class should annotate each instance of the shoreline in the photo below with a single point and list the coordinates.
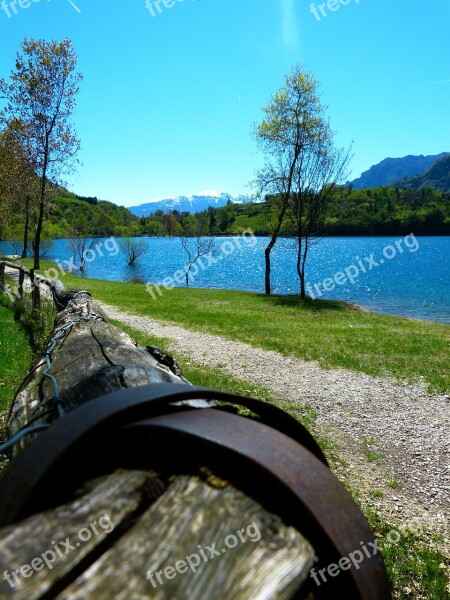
(347, 303)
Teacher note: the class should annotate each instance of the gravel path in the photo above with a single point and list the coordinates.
(406, 476)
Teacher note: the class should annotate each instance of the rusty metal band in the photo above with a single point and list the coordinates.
(327, 512)
(22, 482)
(325, 509)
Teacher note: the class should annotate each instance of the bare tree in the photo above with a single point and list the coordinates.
(195, 243)
(16, 246)
(133, 249)
(46, 246)
(41, 96)
(79, 247)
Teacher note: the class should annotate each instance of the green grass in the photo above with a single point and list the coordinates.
(15, 351)
(415, 569)
(409, 563)
(371, 454)
(369, 441)
(377, 494)
(329, 332)
(394, 484)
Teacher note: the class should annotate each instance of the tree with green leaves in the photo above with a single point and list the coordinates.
(41, 97)
(7, 181)
(292, 128)
(18, 180)
(316, 187)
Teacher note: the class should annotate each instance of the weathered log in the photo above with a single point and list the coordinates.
(93, 359)
(118, 496)
(253, 554)
(90, 359)
(130, 547)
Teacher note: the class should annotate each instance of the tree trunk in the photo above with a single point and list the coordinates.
(25, 231)
(280, 219)
(302, 252)
(302, 287)
(302, 270)
(273, 241)
(95, 358)
(267, 259)
(37, 239)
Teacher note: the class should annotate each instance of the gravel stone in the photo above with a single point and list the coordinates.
(405, 425)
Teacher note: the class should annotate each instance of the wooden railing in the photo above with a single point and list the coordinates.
(36, 281)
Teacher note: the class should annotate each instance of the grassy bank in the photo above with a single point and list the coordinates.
(414, 564)
(15, 352)
(328, 332)
(414, 569)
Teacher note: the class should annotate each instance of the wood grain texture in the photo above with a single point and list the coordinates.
(156, 523)
(97, 515)
(195, 521)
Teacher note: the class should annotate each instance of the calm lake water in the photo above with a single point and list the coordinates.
(410, 278)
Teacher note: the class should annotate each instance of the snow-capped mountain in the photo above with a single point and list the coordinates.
(193, 203)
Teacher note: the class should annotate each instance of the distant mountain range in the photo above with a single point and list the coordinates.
(410, 172)
(392, 170)
(193, 203)
(437, 178)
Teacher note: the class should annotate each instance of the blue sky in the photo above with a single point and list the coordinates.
(168, 101)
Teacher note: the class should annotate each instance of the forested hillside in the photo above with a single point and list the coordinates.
(69, 214)
(379, 211)
(437, 177)
(389, 211)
